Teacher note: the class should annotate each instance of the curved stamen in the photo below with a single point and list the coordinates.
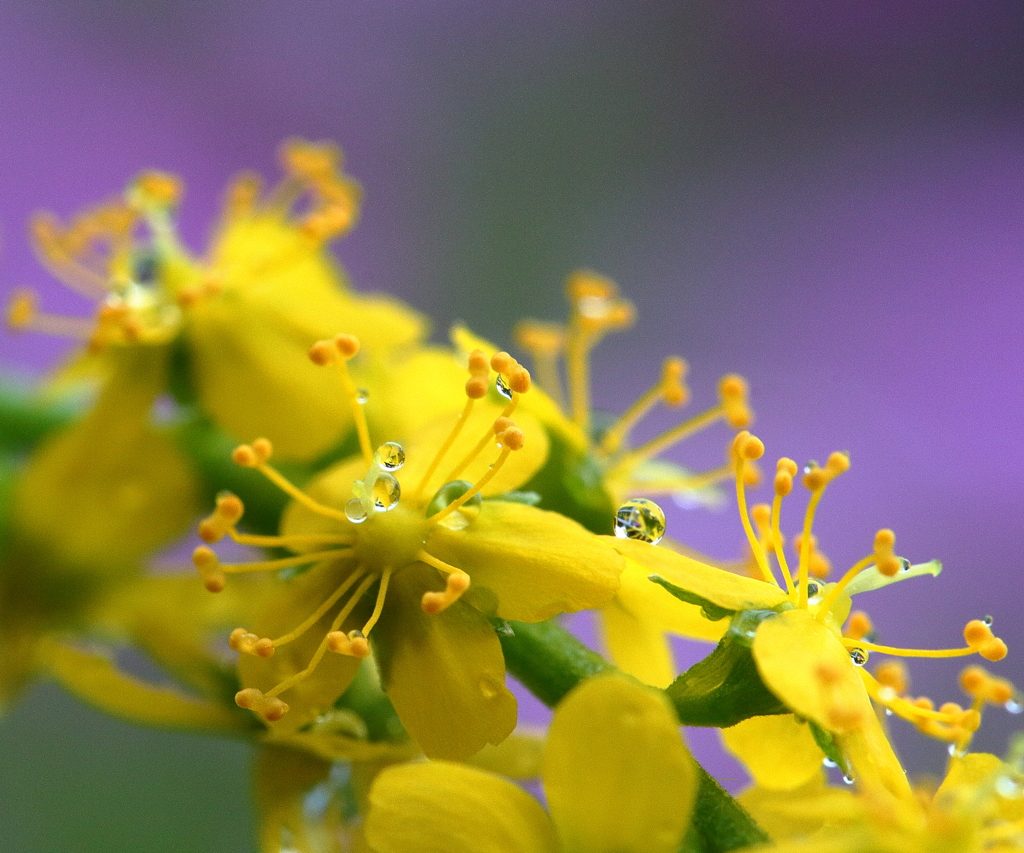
(317, 614)
(511, 438)
(747, 447)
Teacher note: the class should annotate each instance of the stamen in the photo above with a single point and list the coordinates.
(670, 388)
(59, 255)
(858, 627)
(511, 438)
(339, 351)
(785, 471)
(436, 602)
(747, 447)
(544, 342)
(476, 388)
(256, 456)
(23, 314)
(378, 606)
(816, 479)
(212, 570)
(977, 634)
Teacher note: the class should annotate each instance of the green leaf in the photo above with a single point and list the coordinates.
(827, 745)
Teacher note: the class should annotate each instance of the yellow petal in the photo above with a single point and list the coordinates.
(656, 606)
(529, 564)
(805, 664)
(110, 489)
(617, 775)
(94, 679)
(799, 812)
(296, 600)
(518, 756)
(445, 674)
(439, 807)
(876, 767)
(727, 590)
(636, 646)
(778, 752)
(283, 779)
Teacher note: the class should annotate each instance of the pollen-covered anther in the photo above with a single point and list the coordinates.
(316, 162)
(674, 392)
(894, 675)
(818, 565)
(270, 708)
(980, 638)
(22, 308)
(512, 438)
(248, 643)
(226, 515)
(253, 455)
(539, 338)
(858, 626)
(519, 380)
(785, 471)
(354, 643)
(732, 390)
(208, 566)
(502, 362)
(747, 446)
(886, 560)
(323, 353)
(347, 345)
(435, 602)
(479, 373)
(156, 189)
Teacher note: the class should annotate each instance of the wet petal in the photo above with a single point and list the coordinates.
(617, 775)
(636, 646)
(805, 664)
(875, 765)
(727, 590)
(656, 606)
(439, 807)
(778, 751)
(529, 564)
(445, 674)
(799, 812)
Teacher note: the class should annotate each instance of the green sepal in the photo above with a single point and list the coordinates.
(826, 743)
(723, 689)
(708, 609)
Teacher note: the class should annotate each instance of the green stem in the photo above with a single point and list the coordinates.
(25, 418)
(550, 661)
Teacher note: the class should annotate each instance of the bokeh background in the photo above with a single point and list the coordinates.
(825, 197)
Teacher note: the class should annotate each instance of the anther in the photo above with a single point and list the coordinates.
(245, 456)
(270, 708)
(818, 564)
(209, 569)
(21, 310)
(354, 643)
(519, 380)
(347, 345)
(157, 189)
(502, 362)
(228, 512)
(512, 438)
(501, 424)
(674, 392)
(747, 446)
(732, 390)
(893, 674)
(859, 626)
(323, 353)
(476, 387)
(539, 338)
(885, 560)
(455, 585)
(785, 471)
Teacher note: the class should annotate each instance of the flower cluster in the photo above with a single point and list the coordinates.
(403, 523)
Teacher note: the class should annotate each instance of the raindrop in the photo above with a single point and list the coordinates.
(362, 395)
(502, 387)
(390, 456)
(640, 519)
(988, 620)
(848, 779)
(814, 591)
(859, 657)
(956, 752)
(905, 565)
(1014, 705)
(355, 511)
(828, 762)
(810, 466)
(356, 634)
(888, 712)
(451, 492)
(1009, 788)
(385, 493)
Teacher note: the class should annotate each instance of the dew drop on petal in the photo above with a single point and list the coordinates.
(488, 688)
(502, 386)
(640, 519)
(859, 657)
(385, 493)
(828, 762)
(1009, 788)
(355, 512)
(848, 779)
(362, 395)
(390, 456)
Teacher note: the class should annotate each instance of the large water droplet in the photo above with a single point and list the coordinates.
(988, 620)
(640, 519)
(385, 493)
(502, 386)
(1015, 705)
(362, 395)
(390, 456)
(355, 511)
(905, 565)
(451, 492)
(859, 657)
(828, 762)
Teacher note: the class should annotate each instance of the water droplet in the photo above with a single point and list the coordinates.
(488, 689)
(814, 591)
(502, 386)
(1009, 788)
(1015, 705)
(888, 712)
(848, 779)
(810, 466)
(390, 456)
(956, 752)
(362, 395)
(355, 512)
(356, 634)
(988, 620)
(451, 492)
(385, 493)
(905, 565)
(859, 657)
(640, 519)
(828, 762)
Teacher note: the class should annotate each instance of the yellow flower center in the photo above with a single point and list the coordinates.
(378, 532)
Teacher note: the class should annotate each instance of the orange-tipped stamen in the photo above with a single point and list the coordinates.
(348, 346)
(670, 388)
(378, 606)
(318, 614)
(816, 480)
(270, 708)
(200, 556)
(247, 456)
(23, 314)
(836, 589)
(785, 470)
(511, 439)
(908, 653)
(747, 447)
(544, 342)
(456, 584)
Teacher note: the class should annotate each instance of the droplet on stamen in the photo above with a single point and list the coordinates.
(1015, 705)
(502, 387)
(640, 519)
(362, 395)
(385, 493)
(390, 456)
(859, 657)
(810, 466)
(988, 620)
(848, 779)
(355, 511)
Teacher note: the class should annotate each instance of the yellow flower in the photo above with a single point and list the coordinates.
(242, 315)
(795, 627)
(617, 776)
(401, 543)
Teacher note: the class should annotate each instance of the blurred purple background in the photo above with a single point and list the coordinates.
(826, 199)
